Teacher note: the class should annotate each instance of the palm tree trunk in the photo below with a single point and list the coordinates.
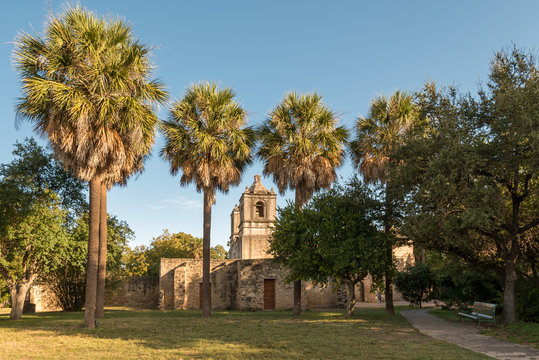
(102, 262)
(206, 300)
(93, 248)
(298, 203)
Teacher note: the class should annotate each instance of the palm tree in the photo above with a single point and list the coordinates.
(377, 136)
(134, 165)
(205, 138)
(301, 147)
(86, 87)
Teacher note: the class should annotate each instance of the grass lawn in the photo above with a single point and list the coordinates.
(130, 334)
(519, 332)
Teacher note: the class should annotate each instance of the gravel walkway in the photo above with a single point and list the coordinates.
(467, 336)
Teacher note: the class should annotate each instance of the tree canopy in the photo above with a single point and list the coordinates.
(472, 170)
(335, 236)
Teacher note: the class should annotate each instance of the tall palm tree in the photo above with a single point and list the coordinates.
(207, 140)
(301, 147)
(86, 86)
(133, 165)
(377, 136)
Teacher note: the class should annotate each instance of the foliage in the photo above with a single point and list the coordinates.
(416, 283)
(333, 237)
(144, 260)
(471, 170)
(86, 85)
(527, 293)
(38, 202)
(460, 283)
(135, 261)
(372, 152)
(68, 279)
(35, 175)
(301, 145)
(218, 252)
(207, 139)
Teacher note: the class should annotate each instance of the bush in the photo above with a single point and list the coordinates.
(527, 305)
(416, 283)
(464, 285)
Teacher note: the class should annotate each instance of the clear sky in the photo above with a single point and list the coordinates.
(348, 51)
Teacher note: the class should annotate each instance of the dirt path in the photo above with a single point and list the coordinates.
(467, 337)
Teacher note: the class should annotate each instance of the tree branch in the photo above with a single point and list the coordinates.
(529, 226)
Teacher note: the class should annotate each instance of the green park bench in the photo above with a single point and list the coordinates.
(484, 312)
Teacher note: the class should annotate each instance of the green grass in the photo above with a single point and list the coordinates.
(519, 332)
(129, 334)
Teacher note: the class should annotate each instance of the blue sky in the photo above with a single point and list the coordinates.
(349, 51)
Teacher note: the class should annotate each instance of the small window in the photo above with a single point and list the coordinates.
(260, 209)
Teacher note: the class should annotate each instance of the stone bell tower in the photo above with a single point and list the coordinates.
(252, 221)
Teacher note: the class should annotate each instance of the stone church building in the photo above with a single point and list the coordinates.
(249, 279)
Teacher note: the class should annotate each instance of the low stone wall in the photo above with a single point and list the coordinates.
(140, 292)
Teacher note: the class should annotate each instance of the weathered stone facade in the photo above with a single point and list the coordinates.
(250, 278)
(251, 222)
(141, 292)
(235, 284)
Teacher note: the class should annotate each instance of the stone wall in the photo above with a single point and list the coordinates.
(187, 282)
(235, 284)
(135, 292)
(251, 285)
(41, 298)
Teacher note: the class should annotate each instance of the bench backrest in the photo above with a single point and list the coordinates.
(484, 308)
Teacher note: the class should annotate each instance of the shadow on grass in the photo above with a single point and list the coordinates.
(370, 333)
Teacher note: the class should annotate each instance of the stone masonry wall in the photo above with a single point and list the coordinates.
(135, 292)
(251, 285)
(188, 279)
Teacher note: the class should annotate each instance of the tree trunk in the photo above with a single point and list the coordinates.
(390, 309)
(298, 203)
(18, 296)
(509, 292)
(206, 300)
(102, 262)
(351, 295)
(93, 254)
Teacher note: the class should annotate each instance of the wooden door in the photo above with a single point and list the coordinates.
(200, 295)
(269, 294)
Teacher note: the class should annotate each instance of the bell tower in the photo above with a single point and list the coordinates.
(252, 222)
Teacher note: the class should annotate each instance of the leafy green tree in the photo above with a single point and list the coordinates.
(30, 243)
(144, 260)
(333, 237)
(417, 283)
(135, 261)
(86, 86)
(301, 147)
(472, 175)
(167, 245)
(459, 283)
(218, 252)
(39, 201)
(207, 140)
(377, 136)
